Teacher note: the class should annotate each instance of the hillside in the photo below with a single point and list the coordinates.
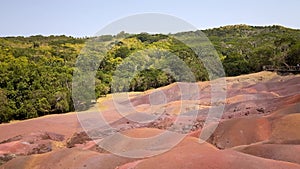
(36, 72)
(258, 129)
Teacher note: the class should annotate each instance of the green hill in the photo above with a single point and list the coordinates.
(36, 72)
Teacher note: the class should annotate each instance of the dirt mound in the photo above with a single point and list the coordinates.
(282, 127)
(241, 131)
(191, 154)
(64, 124)
(33, 143)
(279, 152)
(285, 130)
(67, 158)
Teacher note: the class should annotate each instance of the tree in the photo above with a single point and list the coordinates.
(293, 57)
(5, 110)
(235, 66)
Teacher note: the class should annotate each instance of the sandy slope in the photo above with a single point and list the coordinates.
(258, 129)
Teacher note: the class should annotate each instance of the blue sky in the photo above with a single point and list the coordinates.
(85, 18)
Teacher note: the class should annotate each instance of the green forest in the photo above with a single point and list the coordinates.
(36, 72)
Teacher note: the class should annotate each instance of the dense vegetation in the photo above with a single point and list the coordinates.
(245, 49)
(35, 75)
(36, 72)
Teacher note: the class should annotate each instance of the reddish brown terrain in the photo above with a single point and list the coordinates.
(259, 128)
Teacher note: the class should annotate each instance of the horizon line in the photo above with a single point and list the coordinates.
(90, 36)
